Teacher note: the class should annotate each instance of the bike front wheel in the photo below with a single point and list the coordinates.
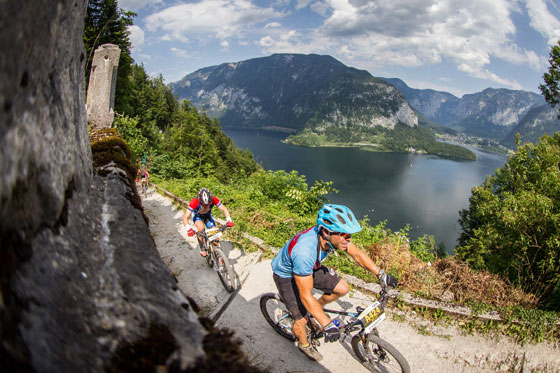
(378, 355)
(277, 315)
(209, 256)
(225, 271)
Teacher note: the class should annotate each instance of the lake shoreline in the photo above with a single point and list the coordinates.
(421, 190)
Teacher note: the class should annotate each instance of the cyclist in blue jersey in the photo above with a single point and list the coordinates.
(297, 270)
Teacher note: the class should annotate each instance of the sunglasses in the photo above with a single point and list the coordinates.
(346, 236)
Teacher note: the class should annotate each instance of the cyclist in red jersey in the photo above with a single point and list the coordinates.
(200, 208)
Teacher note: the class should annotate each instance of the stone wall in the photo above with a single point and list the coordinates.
(82, 288)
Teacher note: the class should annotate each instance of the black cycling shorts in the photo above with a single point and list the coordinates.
(323, 279)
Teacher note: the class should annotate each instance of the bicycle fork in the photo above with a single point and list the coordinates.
(376, 353)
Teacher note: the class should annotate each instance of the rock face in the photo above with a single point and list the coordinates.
(44, 144)
(538, 121)
(82, 288)
(294, 91)
(492, 113)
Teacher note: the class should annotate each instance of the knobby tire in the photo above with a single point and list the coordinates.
(225, 271)
(393, 361)
(276, 314)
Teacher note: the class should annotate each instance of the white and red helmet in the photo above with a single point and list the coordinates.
(205, 196)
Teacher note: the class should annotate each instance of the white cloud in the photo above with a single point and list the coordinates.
(320, 7)
(174, 36)
(543, 21)
(488, 75)
(220, 18)
(300, 4)
(224, 44)
(272, 25)
(423, 32)
(136, 36)
(179, 52)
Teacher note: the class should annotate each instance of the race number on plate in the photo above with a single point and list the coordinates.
(372, 316)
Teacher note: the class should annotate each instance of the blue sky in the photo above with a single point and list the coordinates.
(458, 46)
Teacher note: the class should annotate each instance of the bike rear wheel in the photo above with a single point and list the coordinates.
(276, 314)
(225, 271)
(378, 355)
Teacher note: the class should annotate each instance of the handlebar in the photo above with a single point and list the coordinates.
(383, 298)
(203, 233)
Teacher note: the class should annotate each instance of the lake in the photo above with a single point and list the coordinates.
(424, 191)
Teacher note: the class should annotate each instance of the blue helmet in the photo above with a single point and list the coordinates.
(338, 218)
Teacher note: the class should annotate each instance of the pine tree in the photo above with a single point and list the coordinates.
(550, 89)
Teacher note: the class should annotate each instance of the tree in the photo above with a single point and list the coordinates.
(106, 23)
(512, 225)
(550, 89)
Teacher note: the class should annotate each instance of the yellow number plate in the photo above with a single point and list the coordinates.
(372, 316)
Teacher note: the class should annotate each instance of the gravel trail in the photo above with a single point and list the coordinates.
(436, 349)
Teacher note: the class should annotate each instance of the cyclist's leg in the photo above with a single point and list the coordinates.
(199, 224)
(289, 293)
(332, 286)
(209, 221)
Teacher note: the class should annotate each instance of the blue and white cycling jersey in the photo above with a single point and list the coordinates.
(300, 255)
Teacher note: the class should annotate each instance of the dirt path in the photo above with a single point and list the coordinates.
(440, 349)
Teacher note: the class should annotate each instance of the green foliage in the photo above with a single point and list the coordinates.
(400, 139)
(512, 225)
(423, 248)
(136, 136)
(522, 324)
(292, 190)
(550, 89)
(198, 148)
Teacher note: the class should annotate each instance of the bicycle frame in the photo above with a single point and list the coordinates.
(213, 239)
(370, 349)
(356, 323)
(215, 256)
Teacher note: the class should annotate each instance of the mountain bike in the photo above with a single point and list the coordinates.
(376, 354)
(216, 258)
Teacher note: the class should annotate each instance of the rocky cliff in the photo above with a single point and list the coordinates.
(294, 91)
(82, 288)
(492, 113)
(539, 120)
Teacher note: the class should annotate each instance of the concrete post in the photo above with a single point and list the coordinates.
(101, 89)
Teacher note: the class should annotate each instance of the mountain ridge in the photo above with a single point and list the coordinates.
(294, 91)
(494, 113)
(318, 94)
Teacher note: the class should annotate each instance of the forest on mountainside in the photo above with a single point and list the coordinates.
(186, 150)
(402, 139)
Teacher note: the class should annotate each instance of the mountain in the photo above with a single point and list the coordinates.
(492, 113)
(435, 105)
(538, 121)
(293, 92)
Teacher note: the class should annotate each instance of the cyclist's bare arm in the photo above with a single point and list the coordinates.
(224, 210)
(186, 217)
(305, 285)
(362, 258)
